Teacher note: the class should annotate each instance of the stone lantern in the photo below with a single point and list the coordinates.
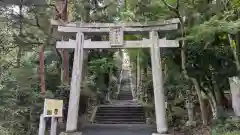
(190, 106)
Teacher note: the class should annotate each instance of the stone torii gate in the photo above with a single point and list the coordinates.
(116, 33)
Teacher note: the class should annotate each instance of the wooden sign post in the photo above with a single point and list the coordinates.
(52, 108)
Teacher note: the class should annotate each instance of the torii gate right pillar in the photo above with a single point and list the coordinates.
(159, 96)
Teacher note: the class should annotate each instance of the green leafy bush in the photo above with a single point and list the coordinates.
(231, 133)
(227, 127)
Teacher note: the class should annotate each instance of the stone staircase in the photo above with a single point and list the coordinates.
(125, 91)
(125, 95)
(120, 115)
(121, 111)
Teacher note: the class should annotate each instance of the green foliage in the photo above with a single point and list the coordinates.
(94, 10)
(100, 66)
(4, 131)
(21, 102)
(144, 10)
(235, 4)
(100, 73)
(228, 127)
(207, 31)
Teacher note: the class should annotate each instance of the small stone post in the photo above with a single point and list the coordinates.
(235, 92)
(42, 125)
(53, 130)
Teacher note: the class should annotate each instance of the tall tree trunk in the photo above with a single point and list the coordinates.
(213, 105)
(218, 100)
(19, 56)
(19, 53)
(138, 76)
(62, 15)
(41, 70)
(201, 101)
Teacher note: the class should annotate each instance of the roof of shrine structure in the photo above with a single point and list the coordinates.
(64, 29)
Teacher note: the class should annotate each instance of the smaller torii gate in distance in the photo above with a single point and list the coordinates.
(116, 33)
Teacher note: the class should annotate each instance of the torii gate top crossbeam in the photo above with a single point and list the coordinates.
(127, 27)
(116, 33)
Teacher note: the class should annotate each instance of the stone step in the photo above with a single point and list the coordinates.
(125, 92)
(125, 89)
(122, 93)
(120, 108)
(120, 114)
(129, 96)
(137, 113)
(125, 95)
(131, 115)
(126, 98)
(116, 122)
(128, 117)
(118, 111)
(120, 122)
(121, 118)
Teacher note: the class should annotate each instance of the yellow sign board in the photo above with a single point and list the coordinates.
(53, 108)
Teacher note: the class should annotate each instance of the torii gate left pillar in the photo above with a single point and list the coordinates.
(80, 44)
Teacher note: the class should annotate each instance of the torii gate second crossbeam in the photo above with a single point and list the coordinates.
(116, 41)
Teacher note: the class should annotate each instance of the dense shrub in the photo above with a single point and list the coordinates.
(226, 127)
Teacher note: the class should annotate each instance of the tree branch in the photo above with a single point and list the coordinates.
(168, 5)
(178, 5)
(37, 20)
(172, 8)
